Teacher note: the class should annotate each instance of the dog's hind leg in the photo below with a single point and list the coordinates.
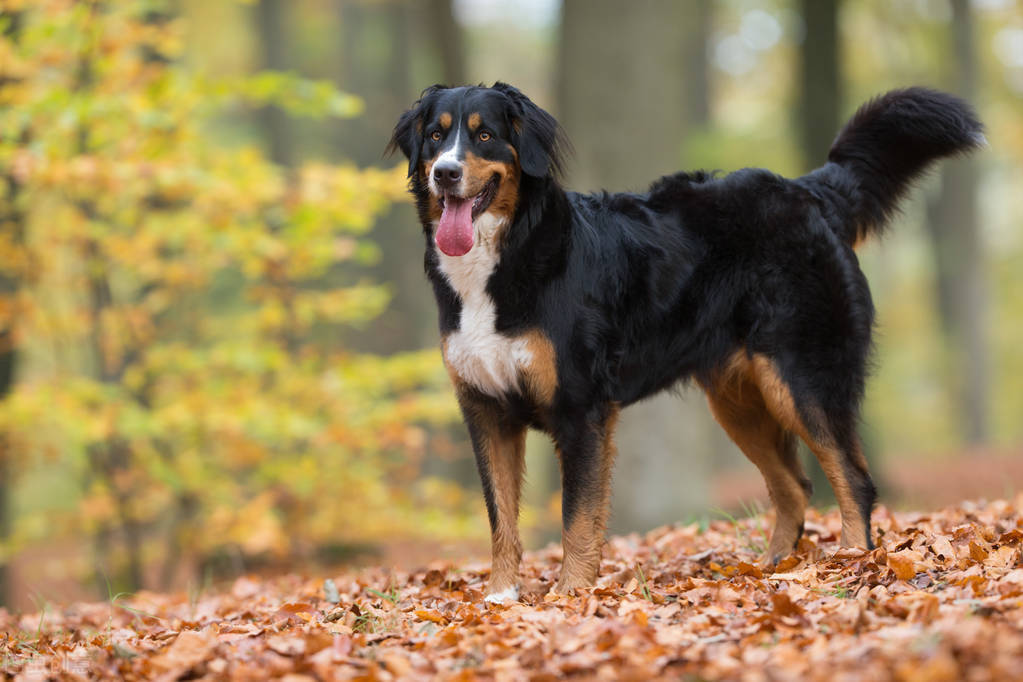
(500, 457)
(737, 405)
(832, 439)
(587, 451)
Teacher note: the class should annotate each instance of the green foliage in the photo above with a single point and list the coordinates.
(178, 311)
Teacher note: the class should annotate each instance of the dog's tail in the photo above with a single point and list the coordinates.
(890, 142)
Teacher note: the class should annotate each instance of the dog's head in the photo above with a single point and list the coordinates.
(468, 149)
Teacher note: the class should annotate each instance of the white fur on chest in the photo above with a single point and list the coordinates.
(483, 358)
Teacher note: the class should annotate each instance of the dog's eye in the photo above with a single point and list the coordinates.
(435, 136)
(484, 136)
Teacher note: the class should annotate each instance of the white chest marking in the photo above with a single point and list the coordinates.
(483, 358)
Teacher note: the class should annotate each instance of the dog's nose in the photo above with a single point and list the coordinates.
(447, 174)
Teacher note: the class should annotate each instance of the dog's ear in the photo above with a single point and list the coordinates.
(540, 140)
(408, 133)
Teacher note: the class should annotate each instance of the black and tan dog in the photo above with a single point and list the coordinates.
(558, 309)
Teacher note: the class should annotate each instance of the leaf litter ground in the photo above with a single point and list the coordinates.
(941, 598)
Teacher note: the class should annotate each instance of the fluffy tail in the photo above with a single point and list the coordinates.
(889, 143)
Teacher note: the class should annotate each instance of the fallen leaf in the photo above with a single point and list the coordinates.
(431, 615)
(903, 564)
(189, 649)
(782, 605)
(286, 645)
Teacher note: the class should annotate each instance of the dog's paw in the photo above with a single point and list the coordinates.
(504, 596)
(568, 587)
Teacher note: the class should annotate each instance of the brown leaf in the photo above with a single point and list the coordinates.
(245, 587)
(943, 548)
(188, 650)
(926, 609)
(903, 564)
(782, 605)
(787, 563)
(1003, 557)
(286, 645)
(397, 663)
(977, 553)
(750, 570)
(295, 612)
(431, 615)
(1013, 536)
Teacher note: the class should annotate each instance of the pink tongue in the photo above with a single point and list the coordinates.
(454, 231)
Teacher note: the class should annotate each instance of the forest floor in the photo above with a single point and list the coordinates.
(941, 598)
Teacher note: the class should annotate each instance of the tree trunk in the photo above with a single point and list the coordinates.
(447, 38)
(818, 110)
(12, 226)
(958, 251)
(410, 322)
(696, 64)
(273, 45)
(821, 92)
(623, 100)
(11, 222)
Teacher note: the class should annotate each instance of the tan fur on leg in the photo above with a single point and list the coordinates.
(779, 400)
(583, 539)
(506, 455)
(738, 406)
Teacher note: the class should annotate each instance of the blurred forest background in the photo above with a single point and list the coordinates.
(218, 353)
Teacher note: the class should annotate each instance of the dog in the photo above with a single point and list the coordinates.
(558, 309)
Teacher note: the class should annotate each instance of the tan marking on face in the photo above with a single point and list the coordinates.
(479, 171)
(435, 210)
(445, 120)
(541, 378)
(583, 539)
(474, 121)
(434, 207)
(507, 200)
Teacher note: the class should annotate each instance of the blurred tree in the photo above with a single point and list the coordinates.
(613, 57)
(181, 336)
(377, 56)
(273, 38)
(446, 35)
(820, 91)
(819, 103)
(695, 61)
(12, 271)
(958, 252)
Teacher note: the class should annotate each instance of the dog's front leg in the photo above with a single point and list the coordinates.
(586, 448)
(500, 449)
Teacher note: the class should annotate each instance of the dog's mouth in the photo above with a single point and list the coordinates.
(454, 229)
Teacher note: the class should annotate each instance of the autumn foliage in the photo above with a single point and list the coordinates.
(179, 308)
(940, 599)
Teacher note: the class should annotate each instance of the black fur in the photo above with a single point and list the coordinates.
(887, 145)
(638, 292)
(536, 135)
